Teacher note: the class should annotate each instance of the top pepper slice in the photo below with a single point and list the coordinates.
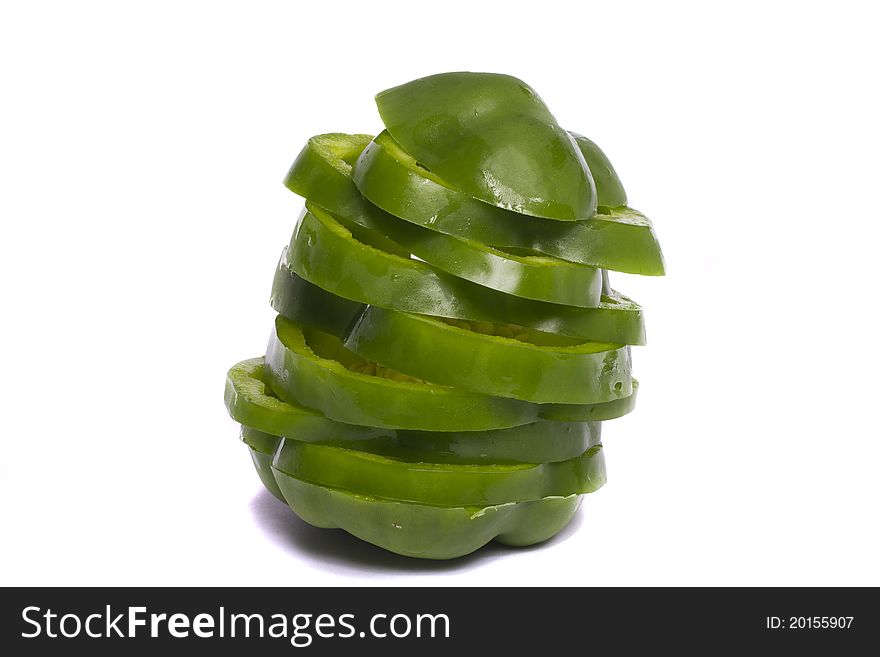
(493, 138)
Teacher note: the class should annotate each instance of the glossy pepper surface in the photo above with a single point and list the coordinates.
(498, 362)
(617, 238)
(265, 419)
(493, 138)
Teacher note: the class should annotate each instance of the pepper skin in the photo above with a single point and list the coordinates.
(494, 139)
(297, 373)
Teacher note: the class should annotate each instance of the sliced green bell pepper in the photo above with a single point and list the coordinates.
(302, 366)
(325, 253)
(321, 174)
(440, 484)
(440, 352)
(591, 412)
(493, 138)
(425, 531)
(618, 238)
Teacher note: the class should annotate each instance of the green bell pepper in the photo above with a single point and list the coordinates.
(425, 531)
(493, 138)
(439, 484)
(325, 253)
(437, 351)
(618, 238)
(322, 174)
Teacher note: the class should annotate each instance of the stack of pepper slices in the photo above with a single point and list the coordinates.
(447, 343)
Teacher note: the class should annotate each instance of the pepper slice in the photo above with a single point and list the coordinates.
(540, 442)
(439, 484)
(441, 352)
(493, 138)
(251, 403)
(591, 412)
(303, 366)
(618, 238)
(325, 253)
(424, 531)
(322, 174)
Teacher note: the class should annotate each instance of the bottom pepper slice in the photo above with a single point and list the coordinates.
(425, 531)
(439, 483)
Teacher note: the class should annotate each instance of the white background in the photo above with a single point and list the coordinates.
(141, 151)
